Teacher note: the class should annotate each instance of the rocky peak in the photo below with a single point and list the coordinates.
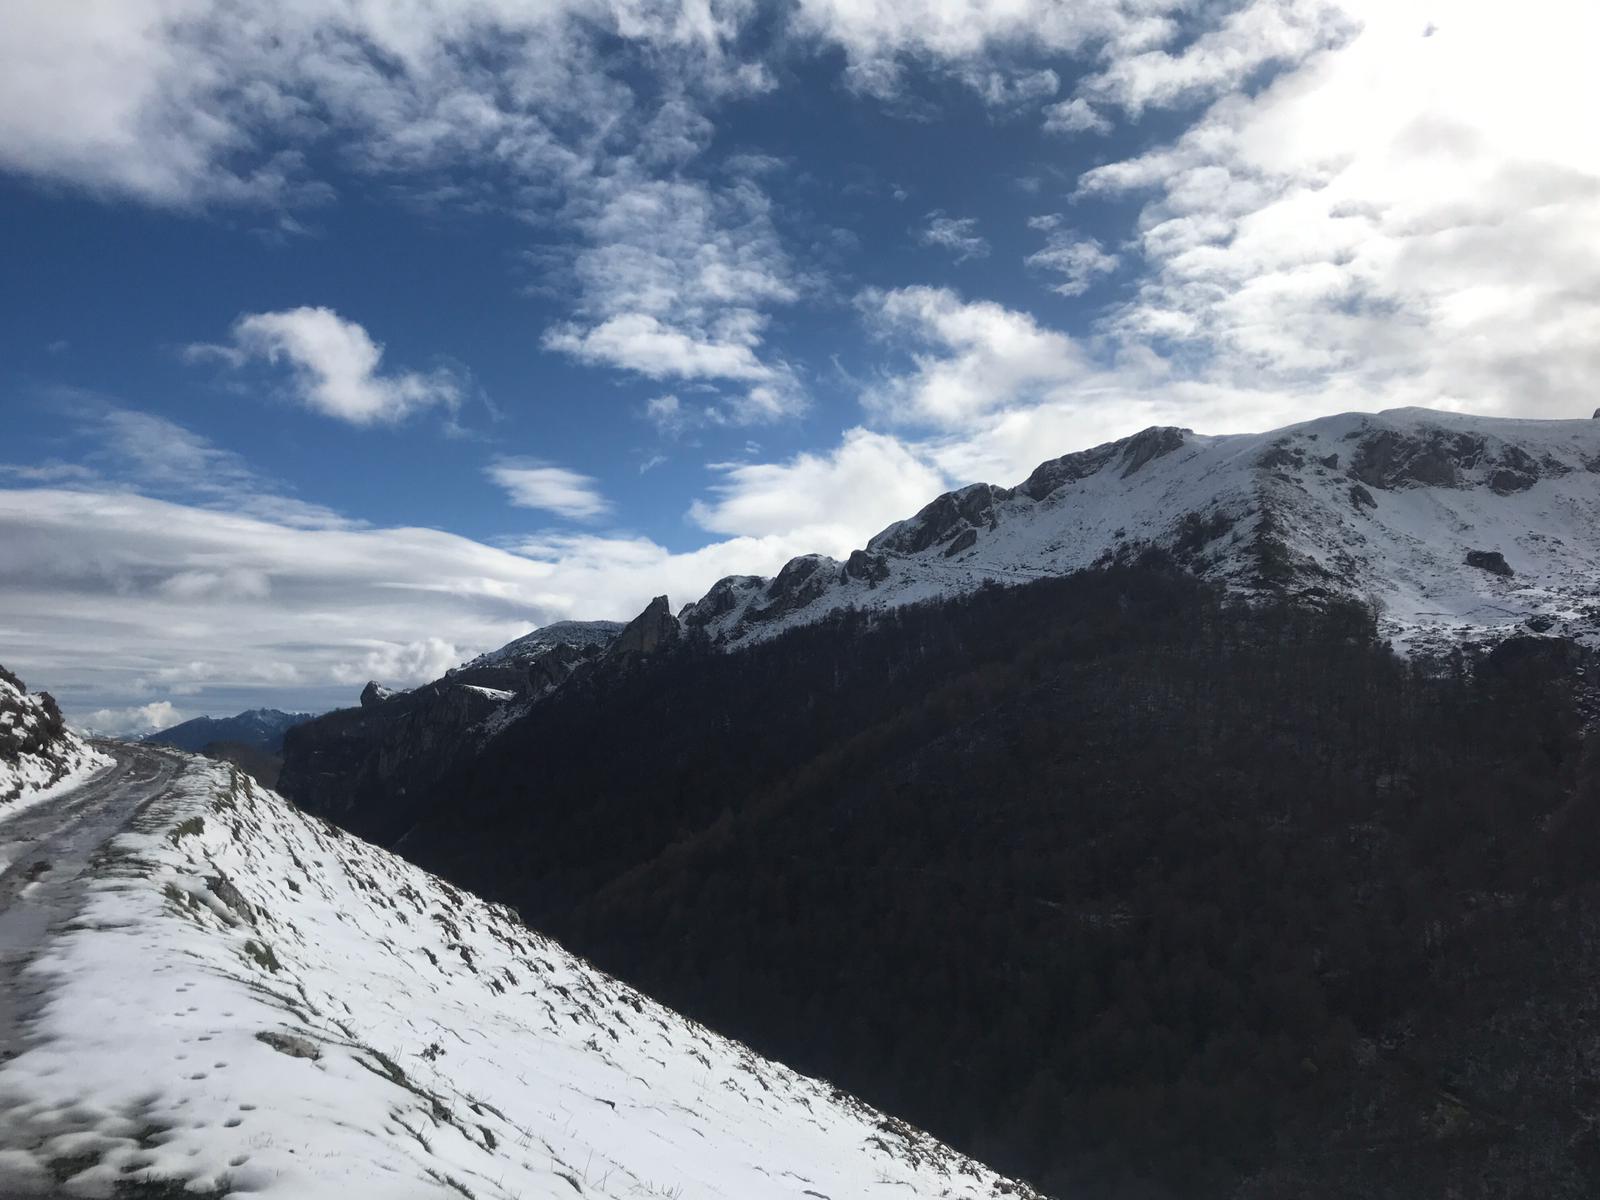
(947, 518)
(374, 694)
(1132, 453)
(652, 629)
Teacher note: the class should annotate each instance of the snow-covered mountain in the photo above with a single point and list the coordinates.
(39, 755)
(253, 1002)
(1460, 527)
(262, 728)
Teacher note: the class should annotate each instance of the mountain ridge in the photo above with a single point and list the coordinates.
(1375, 506)
(259, 728)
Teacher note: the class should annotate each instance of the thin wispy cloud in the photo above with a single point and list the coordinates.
(959, 235)
(529, 483)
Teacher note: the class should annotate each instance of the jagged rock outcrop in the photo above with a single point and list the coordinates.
(650, 631)
(374, 694)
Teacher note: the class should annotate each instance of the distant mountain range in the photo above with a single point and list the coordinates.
(258, 728)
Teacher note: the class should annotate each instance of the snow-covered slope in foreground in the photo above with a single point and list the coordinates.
(253, 1003)
(1460, 526)
(39, 755)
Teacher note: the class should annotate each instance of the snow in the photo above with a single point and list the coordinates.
(498, 694)
(40, 773)
(580, 634)
(253, 1003)
(1407, 552)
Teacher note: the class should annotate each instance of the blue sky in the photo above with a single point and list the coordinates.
(350, 339)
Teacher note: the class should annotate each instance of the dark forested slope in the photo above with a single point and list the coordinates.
(1108, 880)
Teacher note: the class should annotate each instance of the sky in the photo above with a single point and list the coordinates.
(344, 339)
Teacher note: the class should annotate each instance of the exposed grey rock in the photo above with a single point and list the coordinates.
(872, 569)
(1489, 560)
(374, 693)
(970, 508)
(725, 595)
(652, 629)
(288, 1043)
(964, 540)
(800, 582)
(1150, 444)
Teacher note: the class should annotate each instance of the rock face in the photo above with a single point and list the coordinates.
(374, 694)
(651, 630)
(1491, 561)
(1372, 506)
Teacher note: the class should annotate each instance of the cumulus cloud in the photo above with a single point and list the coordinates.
(133, 720)
(959, 235)
(335, 365)
(829, 502)
(969, 359)
(1388, 221)
(533, 484)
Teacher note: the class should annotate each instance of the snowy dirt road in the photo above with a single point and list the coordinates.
(45, 856)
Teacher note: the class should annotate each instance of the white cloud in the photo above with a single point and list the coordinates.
(959, 235)
(185, 102)
(533, 484)
(669, 415)
(1258, 34)
(1078, 261)
(1010, 89)
(969, 359)
(829, 503)
(400, 662)
(1391, 220)
(879, 36)
(642, 342)
(136, 719)
(1074, 116)
(85, 580)
(674, 283)
(335, 365)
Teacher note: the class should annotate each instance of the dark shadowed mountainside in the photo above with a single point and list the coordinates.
(1119, 883)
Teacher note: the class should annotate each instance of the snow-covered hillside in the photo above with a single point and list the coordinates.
(1459, 526)
(39, 755)
(255, 1003)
